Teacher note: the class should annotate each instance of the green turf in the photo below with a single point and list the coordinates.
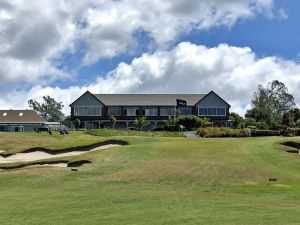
(158, 181)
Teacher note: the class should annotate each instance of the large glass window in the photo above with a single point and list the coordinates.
(185, 110)
(131, 111)
(167, 111)
(211, 112)
(114, 111)
(87, 111)
(150, 111)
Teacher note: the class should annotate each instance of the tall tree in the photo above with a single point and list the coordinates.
(49, 108)
(269, 103)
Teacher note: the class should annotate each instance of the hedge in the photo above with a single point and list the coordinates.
(222, 132)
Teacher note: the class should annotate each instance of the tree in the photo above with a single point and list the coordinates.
(77, 123)
(189, 122)
(269, 103)
(171, 121)
(113, 121)
(295, 113)
(141, 122)
(236, 119)
(204, 122)
(49, 108)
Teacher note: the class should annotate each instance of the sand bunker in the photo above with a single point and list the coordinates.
(51, 165)
(39, 155)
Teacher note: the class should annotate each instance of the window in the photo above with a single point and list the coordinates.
(114, 111)
(4, 114)
(87, 111)
(167, 111)
(132, 111)
(185, 110)
(211, 112)
(20, 114)
(150, 111)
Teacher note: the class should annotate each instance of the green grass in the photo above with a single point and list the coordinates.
(12, 142)
(109, 133)
(157, 180)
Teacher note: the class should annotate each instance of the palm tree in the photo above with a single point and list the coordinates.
(141, 122)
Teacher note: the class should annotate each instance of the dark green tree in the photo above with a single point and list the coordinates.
(236, 119)
(189, 122)
(49, 108)
(77, 123)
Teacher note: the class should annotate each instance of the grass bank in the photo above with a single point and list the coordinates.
(158, 181)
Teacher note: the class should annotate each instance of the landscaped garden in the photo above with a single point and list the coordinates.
(154, 180)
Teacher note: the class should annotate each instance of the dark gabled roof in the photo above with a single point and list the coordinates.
(89, 93)
(21, 116)
(147, 99)
(214, 93)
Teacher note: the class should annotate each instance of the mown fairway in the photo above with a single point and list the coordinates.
(154, 180)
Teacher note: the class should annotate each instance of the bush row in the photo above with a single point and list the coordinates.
(223, 132)
(290, 132)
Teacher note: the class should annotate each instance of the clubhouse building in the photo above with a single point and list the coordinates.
(94, 110)
(20, 120)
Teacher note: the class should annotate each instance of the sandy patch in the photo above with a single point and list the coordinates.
(51, 165)
(38, 155)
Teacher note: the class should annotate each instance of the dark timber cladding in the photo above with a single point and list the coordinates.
(94, 110)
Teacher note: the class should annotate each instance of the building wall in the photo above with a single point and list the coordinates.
(87, 99)
(19, 127)
(213, 101)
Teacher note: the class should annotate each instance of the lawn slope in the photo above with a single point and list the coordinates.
(157, 180)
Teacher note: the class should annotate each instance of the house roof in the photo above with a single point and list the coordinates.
(147, 99)
(21, 116)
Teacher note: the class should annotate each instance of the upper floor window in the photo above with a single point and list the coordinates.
(185, 110)
(211, 111)
(87, 111)
(150, 111)
(131, 111)
(4, 114)
(167, 111)
(114, 111)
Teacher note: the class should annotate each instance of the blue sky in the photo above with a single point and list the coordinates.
(278, 36)
(62, 48)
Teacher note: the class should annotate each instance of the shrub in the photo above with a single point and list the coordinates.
(290, 132)
(222, 132)
(189, 122)
(262, 125)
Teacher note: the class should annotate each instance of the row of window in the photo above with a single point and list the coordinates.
(147, 111)
(87, 111)
(211, 111)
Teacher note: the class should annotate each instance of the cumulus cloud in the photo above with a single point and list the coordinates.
(232, 72)
(34, 34)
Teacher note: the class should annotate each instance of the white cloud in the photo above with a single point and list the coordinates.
(232, 72)
(34, 34)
